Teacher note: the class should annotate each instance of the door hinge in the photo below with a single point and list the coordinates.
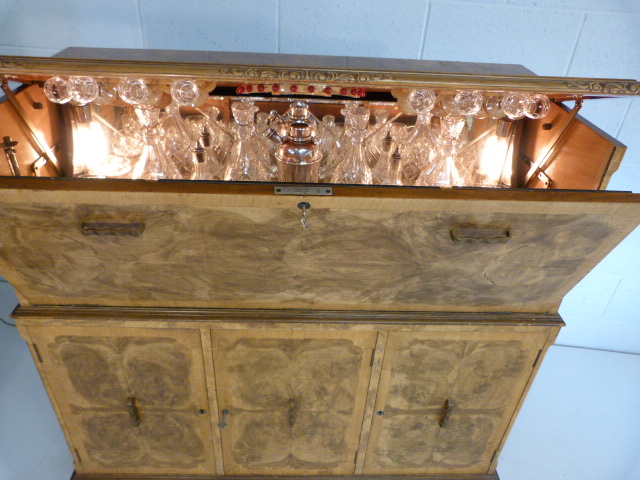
(355, 457)
(493, 457)
(78, 455)
(373, 354)
(538, 357)
(35, 349)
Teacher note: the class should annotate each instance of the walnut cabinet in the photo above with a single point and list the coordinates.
(219, 396)
(195, 330)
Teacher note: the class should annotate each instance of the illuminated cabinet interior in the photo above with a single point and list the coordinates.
(249, 265)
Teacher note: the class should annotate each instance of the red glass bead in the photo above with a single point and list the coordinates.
(275, 87)
(344, 91)
(362, 92)
(294, 88)
(240, 89)
(249, 88)
(328, 90)
(260, 88)
(354, 91)
(311, 89)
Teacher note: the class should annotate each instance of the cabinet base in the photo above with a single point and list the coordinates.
(450, 476)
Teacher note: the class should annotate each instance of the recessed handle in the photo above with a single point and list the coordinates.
(293, 409)
(445, 413)
(134, 413)
(479, 234)
(134, 229)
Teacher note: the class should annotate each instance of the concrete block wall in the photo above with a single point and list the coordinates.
(573, 37)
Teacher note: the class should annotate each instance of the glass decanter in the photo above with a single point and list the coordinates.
(176, 141)
(445, 170)
(246, 160)
(353, 167)
(330, 146)
(417, 148)
(153, 164)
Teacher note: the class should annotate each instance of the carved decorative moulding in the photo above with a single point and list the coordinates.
(381, 74)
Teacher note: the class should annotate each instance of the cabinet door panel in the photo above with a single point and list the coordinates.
(425, 250)
(102, 378)
(445, 399)
(295, 399)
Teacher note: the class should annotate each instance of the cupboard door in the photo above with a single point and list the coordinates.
(445, 400)
(132, 400)
(291, 401)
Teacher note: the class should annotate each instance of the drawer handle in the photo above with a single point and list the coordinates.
(444, 413)
(115, 229)
(134, 413)
(223, 422)
(473, 234)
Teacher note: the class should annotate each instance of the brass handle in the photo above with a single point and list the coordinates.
(134, 413)
(444, 413)
(223, 422)
(292, 412)
(111, 228)
(476, 234)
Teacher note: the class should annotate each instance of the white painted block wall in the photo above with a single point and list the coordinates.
(594, 38)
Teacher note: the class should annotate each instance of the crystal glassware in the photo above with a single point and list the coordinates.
(468, 103)
(106, 93)
(444, 170)
(417, 148)
(246, 159)
(189, 93)
(138, 91)
(153, 163)
(83, 90)
(492, 106)
(58, 90)
(514, 105)
(538, 106)
(353, 167)
(176, 142)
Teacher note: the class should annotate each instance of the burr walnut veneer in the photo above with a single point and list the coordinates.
(194, 330)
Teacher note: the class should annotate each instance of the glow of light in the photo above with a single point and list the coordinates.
(492, 160)
(90, 148)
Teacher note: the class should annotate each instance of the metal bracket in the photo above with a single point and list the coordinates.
(539, 165)
(302, 190)
(544, 178)
(12, 158)
(44, 147)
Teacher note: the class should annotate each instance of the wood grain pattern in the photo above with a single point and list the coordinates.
(481, 375)
(369, 258)
(93, 371)
(296, 399)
